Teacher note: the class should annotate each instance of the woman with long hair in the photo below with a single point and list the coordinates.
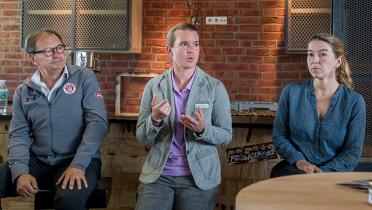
(320, 123)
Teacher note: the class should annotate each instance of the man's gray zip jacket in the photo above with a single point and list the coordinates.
(72, 125)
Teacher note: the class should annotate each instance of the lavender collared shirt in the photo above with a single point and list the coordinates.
(177, 164)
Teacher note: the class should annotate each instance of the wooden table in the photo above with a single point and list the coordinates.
(308, 191)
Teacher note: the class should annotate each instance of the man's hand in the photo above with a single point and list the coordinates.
(159, 110)
(26, 185)
(196, 124)
(72, 175)
(307, 167)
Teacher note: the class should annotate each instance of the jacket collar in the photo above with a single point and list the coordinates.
(195, 92)
(70, 71)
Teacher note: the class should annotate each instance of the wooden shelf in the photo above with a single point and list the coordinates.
(312, 11)
(102, 12)
(81, 12)
(50, 12)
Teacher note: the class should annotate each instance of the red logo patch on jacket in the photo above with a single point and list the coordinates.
(99, 94)
(69, 88)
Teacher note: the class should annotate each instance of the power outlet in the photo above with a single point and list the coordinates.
(216, 20)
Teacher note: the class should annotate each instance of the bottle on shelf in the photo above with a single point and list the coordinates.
(3, 97)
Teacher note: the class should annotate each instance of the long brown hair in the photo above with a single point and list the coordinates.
(343, 73)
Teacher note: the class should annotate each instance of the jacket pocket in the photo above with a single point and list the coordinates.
(209, 162)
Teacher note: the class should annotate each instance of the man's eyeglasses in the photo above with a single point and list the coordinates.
(50, 51)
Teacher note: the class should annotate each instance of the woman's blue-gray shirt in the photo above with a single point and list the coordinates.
(334, 142)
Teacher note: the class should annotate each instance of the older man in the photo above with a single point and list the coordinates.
(59, 122)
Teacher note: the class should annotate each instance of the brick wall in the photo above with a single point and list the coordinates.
(247, 54)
